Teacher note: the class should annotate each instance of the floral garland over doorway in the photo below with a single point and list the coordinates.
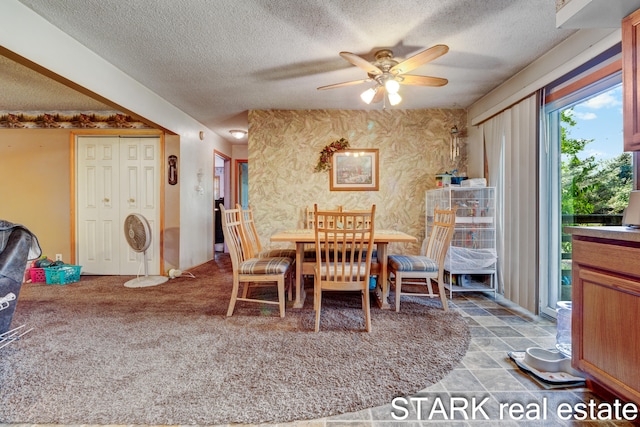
(324, 162)
(69, 120)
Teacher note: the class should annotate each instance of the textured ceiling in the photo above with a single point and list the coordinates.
(217, 59)
(26, 90)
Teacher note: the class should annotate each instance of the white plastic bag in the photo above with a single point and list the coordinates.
(469, 259)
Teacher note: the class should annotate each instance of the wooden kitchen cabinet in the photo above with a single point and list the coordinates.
(606, 308)
(631, 81)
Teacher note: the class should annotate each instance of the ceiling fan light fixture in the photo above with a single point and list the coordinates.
(388, 74)
(367, 95)
(237, 133)
(392, 86)
(394, 98)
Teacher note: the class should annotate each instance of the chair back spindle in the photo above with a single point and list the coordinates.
(253, 246)
(441, 234)
(310, 215)
(233, 235)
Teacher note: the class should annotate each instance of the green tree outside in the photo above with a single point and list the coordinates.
(589, 186)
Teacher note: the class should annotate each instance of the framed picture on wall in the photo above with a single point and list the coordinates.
(354, 170)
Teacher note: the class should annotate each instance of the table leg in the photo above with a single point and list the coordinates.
(300, 294)
(382, 290)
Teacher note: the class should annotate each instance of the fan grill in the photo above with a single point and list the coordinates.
(137, 232)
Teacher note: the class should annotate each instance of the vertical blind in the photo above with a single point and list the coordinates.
(511, 145)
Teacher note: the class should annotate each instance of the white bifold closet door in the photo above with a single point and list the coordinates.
(116, 176)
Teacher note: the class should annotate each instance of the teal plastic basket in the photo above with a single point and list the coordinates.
(63, 274)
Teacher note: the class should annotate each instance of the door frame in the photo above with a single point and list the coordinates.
(74, 191)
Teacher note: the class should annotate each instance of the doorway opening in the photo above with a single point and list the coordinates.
(221, 196)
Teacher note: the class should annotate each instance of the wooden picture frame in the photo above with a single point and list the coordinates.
(354, 170)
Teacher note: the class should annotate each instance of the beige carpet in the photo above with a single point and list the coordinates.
(101, 353)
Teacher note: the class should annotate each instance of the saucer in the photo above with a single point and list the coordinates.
(547, 359)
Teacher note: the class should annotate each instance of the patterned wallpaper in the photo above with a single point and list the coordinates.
(284, 147)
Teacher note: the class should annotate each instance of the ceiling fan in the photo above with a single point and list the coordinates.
(388, 74)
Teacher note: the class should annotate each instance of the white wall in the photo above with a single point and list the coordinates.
(22, 31)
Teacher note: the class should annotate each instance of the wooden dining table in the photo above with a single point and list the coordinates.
(381, 238)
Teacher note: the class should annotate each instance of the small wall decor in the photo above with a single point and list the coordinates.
(354, 170)
(199, 187)
(324, 162)
(173, 169)
(454, 144)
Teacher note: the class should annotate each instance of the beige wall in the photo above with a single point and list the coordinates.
(35, 189)
(34, 185)
(284, 147)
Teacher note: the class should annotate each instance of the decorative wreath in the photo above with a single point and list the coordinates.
(324, 162)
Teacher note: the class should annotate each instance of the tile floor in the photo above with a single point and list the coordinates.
(497, 327)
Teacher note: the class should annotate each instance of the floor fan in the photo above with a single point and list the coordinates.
(138, 235)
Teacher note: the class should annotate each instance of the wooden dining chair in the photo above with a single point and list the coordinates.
(421, 269)
(309, 215)
(310, 218)
(360, 211)
(253, 248)
(374, 255)
(252, 271)
(343, 256)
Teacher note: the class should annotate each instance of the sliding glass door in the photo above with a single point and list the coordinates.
(585, 176)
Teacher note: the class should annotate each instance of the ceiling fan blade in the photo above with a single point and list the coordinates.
(361, 63)
(410, 79)
(419, 59)
(354, 82)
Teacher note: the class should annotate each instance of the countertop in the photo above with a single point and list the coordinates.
(606, 232)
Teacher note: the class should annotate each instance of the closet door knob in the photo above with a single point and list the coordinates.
(106, 200)
(132, 200)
